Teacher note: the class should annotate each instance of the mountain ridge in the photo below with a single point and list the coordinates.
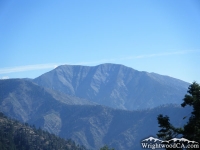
(114, 85)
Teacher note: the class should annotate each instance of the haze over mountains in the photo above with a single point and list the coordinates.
(71, 101)
(116, 86)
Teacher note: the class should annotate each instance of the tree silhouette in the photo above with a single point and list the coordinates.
(191, 130)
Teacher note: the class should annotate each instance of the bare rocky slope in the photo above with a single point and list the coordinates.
(114, 85)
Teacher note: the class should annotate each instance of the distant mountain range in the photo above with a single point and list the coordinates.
(116, 86)
(86, 121)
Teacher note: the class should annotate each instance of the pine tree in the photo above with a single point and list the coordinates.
(191, 130)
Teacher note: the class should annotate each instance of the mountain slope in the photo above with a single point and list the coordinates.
(115, 86)
(17, 136)
(22, 98)
(90, 125)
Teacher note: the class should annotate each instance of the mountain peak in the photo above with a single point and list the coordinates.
(115, 85)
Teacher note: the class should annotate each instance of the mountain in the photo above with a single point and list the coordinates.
(23, 98)
(86, 123)
(116, 86)
(17, 136)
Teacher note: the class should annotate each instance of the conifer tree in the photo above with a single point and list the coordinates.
(191, 130)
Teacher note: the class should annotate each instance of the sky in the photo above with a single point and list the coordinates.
(147, 35)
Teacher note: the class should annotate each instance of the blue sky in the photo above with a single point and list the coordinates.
(147, 35)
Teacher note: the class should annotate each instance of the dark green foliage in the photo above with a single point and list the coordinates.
(191, 130)
(18, 136)
(167, 130)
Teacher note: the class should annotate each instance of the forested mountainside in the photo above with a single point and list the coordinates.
(114, 85)
(87, 124)
(17, 136)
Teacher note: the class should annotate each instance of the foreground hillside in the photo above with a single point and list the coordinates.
(116, 86)
(86, 123)
(17, 136)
